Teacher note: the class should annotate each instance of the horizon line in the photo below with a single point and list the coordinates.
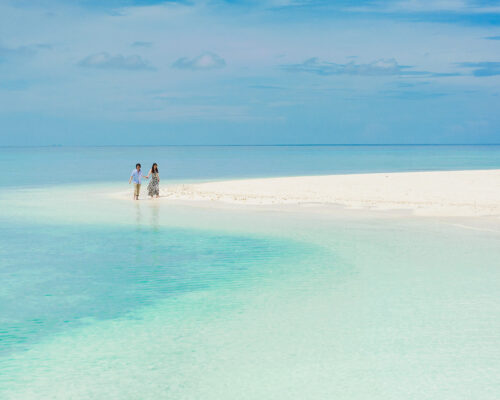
(254, 145)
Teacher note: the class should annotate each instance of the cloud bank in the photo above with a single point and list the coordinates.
(10, 53)
(378, 67)
(482, 69)
(428, 6)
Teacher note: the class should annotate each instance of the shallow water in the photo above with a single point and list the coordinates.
(107, 298)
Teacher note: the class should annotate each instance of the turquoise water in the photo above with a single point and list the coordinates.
(56, 165)
(63, 278)
(104, 298)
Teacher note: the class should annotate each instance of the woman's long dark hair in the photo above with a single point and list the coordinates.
(153, 168)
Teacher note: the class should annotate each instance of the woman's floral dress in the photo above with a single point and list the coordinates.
(154, 185)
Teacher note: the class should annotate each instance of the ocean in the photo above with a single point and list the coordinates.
(40, 166)
(104, 298)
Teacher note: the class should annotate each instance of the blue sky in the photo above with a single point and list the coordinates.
(249, 72)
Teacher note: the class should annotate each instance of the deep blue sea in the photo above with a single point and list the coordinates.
(106, 298)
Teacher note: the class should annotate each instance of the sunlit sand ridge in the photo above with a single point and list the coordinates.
(443, 193)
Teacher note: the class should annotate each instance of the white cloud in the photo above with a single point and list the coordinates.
(205, 61)
(118, 61)
(142, 44)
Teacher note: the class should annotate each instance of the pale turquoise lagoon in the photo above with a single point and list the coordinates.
(104, 298)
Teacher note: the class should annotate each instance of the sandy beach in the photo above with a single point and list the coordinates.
(437, 193)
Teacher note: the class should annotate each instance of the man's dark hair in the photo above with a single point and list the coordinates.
(138, 165)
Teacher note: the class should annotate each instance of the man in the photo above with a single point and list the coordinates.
(136, 176)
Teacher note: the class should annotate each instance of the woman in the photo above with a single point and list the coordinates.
(154, 183)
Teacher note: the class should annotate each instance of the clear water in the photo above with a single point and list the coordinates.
(103, 298)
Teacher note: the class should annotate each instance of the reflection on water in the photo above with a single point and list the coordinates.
(155, 216)
(147, 213)
(138, 215)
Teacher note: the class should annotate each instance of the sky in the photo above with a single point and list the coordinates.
(130, 72)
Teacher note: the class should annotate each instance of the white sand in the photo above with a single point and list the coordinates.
(443, 193)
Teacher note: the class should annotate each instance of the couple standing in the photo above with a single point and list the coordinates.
(154, 184)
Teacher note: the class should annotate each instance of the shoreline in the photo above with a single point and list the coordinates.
(470, 193)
